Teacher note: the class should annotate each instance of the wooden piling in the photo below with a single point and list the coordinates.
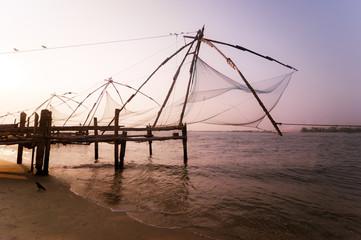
(185, 153)
(96, 144)
(47, 143)
(27, 125)
(41, 137)
(42, 140)
(149, 134)
(116, 144)
(39, 157)
(123, 145)
(36, 122)
(20, 146)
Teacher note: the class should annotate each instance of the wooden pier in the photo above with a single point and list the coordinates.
(42, 135)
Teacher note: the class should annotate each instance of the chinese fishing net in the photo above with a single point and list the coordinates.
(213, 99)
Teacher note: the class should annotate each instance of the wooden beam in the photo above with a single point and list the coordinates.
(36, 122)
(149, 134)
(47, 133)
(185, 152)
(116, 144)
(96, 142)
(41, 141)
(123, 144)
(20, 146)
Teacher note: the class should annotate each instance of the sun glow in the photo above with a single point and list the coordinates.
(12, 75)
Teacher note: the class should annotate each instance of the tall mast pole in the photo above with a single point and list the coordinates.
(191, 72)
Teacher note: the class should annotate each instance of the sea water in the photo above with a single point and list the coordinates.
(236, 185)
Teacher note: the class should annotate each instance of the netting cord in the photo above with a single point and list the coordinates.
(126, 85)
(96, 104)
(81, 103)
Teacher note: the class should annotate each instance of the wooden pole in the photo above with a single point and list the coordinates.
(36, 121)
(41, 141)
(191, 72)
(149, 134)
(175, 77)
(122, 150)
(96, 144)
(28, 125)
(20, 146)
(39, 158)
(185, 152)
(248, 50)
(47, 129)
(116, 144)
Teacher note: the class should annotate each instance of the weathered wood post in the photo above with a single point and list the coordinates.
(184, 135)
(47, 129)
(96, 144)
(41, 140)
(27, 125)
(20, 146)
(149, 134)
(116, 144)
(36, 122)
(123, 144)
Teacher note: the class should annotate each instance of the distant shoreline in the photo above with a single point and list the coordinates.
(331, 130)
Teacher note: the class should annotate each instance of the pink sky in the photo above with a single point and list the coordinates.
(319, 38)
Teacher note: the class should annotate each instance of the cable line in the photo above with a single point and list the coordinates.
(44, 48)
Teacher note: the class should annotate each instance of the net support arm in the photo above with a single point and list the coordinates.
(248, 50)
(231, 63)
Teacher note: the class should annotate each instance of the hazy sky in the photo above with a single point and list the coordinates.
(322, 39)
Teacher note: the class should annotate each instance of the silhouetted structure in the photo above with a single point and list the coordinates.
(39, 138)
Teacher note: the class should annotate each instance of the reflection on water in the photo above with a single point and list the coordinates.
(236, 185)
(113, 196)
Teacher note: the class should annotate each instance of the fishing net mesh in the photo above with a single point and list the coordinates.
(213, 99)
(218, 99)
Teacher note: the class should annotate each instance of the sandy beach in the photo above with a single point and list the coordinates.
(58, 213)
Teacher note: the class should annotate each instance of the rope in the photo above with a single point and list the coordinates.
(43, 48)
(141, 61)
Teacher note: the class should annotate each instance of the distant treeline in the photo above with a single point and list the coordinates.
(332, 129)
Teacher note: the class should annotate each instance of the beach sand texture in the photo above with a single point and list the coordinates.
(58, 213)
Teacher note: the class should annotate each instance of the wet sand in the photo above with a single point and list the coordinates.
(57, 213)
